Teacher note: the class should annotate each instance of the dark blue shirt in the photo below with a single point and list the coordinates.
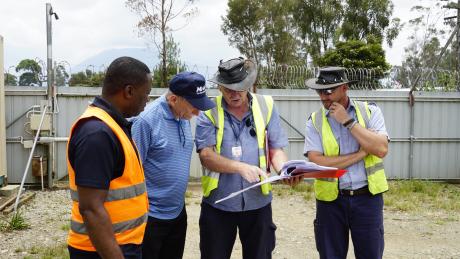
(95, 153)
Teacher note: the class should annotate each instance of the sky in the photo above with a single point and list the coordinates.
(88, 27)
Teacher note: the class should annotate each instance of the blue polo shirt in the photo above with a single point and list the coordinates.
(356, 177)
(165, 147)
(230, 182)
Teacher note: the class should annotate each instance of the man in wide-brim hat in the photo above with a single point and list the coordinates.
(232, 143)
(347, 134)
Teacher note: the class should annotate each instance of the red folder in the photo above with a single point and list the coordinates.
(319, 174)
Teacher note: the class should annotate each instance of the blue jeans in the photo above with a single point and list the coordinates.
(360, 215)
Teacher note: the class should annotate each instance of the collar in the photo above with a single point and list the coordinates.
(351, 106)
(110, 109)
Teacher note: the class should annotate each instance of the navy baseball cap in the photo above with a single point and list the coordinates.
(191, 86)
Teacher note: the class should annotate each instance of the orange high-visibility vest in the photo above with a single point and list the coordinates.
(126, 203)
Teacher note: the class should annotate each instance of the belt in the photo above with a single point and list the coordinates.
(361, 191)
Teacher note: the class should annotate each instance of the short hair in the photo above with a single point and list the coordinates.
(124, 71)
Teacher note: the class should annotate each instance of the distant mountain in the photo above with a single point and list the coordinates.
(102, 60)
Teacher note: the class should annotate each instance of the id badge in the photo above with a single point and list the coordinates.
(237, 152)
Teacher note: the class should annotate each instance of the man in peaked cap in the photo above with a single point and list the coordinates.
(164, 138)
(231, 140)
(348, 134)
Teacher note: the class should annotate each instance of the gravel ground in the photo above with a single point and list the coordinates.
(431, 234)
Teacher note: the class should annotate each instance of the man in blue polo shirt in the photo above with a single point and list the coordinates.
(164, 138)
(231, 140)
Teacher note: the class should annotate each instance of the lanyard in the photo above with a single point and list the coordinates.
(234, 129)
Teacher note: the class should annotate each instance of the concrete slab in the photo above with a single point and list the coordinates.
(9, 190)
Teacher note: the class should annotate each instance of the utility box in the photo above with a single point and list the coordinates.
(39, 166)
(35, 122)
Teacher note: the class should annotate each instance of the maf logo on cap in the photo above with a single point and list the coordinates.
(201, 90)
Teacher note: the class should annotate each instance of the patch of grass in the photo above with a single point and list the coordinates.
(52, 252)
(304, 189)
(65, 227)
(16, 222)
(416, 196)
(18, 250)
(34, 250)
(58, 251)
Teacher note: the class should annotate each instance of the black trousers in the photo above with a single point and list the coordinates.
(165, 239)
(218, 232)
(130, 251)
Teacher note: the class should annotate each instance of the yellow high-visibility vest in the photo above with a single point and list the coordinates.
(262, 107)
(327, 189)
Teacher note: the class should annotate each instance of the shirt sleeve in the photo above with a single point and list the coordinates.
(377, 122)
(205, 133)
(141, 133)
(94, 158)
(276, 136)
(312, 139)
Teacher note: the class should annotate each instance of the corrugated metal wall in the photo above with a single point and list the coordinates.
(436, 152)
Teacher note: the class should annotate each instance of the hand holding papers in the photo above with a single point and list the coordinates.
(296, 168)
(309, 170)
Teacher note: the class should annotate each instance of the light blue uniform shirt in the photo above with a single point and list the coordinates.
(231, 182)
(165, 146)
(356, 177)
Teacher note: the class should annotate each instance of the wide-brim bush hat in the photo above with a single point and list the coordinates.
(329, 77)
(237, 74)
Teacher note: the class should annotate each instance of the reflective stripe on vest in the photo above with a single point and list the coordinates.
(126, 202)
(327, 189)
(262, 107)
(118, 194)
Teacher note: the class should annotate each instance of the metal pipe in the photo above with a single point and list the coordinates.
(41, 172)
(43, 140)
(30, 159)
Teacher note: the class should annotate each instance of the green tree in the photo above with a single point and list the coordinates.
(87, 78)
(319, 23)
(10, 79)
(61, 75)
(262, 30)
(428, 30)
(290, 31)
(173, 66)
(31, 72)
(156, 18)
(356, 54)
(364, 18)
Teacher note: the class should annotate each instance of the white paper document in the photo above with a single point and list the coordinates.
(288, 170)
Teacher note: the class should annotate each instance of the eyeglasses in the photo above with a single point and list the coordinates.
(327, 91)
(252, 131)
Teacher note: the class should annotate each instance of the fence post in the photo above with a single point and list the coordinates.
(3, 167)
